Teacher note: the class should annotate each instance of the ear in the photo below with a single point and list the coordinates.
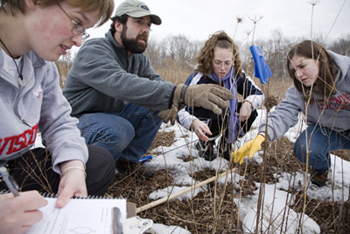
(31, 4)
(118, 26)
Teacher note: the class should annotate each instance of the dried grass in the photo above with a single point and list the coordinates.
(200, 215)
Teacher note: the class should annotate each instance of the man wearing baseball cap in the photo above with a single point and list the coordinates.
(117, 95)
(137, 9)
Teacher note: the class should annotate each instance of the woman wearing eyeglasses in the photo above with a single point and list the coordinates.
(219, 63)
(33, 33)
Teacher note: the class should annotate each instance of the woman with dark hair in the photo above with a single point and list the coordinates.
(219, 63)
(320, 90)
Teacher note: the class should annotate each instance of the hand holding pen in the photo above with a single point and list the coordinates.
(18, 213)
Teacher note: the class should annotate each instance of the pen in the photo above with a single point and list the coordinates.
(145, 159)
(9, 180)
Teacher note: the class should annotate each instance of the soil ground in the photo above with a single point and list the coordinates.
(215, 212)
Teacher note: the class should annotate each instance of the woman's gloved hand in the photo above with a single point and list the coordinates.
(249, 148)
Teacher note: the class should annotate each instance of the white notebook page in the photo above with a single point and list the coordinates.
(79, 216)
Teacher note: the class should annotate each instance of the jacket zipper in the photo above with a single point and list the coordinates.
(25, 122)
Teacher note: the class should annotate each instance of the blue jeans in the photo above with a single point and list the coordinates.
(126, 134)
(321, 141)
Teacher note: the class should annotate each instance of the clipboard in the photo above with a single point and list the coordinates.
(91, 215)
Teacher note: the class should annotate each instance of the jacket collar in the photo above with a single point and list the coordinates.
(117, 48)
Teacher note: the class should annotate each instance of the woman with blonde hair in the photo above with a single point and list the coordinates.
(219, 63)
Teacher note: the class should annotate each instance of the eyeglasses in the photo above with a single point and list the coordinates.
(77, 28)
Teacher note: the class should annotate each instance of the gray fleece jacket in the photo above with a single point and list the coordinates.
(334, 115)
(37, 106)
(104, 79)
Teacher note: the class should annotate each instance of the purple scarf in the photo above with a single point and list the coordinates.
(230, 84)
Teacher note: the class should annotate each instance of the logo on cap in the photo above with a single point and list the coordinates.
(145, 7)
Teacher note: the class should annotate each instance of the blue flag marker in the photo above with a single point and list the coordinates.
(262, 70)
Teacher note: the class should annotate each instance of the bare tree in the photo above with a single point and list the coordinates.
(341, 45)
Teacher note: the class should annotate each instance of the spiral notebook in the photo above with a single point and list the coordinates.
(86, 215)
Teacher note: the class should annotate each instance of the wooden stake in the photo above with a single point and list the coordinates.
(164, 199)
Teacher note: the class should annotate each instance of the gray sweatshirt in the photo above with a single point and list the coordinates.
(37, 106)
(334, 115)
(104, 79)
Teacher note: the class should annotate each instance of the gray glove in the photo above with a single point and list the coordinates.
(169, 114)
(209, 96)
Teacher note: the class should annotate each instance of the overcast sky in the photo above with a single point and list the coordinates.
(197, 19)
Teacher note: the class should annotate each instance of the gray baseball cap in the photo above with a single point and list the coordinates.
(136, 9)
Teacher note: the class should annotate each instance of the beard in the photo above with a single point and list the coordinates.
(133, 44)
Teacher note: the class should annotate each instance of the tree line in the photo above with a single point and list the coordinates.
(179, 52)
(183, 51)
